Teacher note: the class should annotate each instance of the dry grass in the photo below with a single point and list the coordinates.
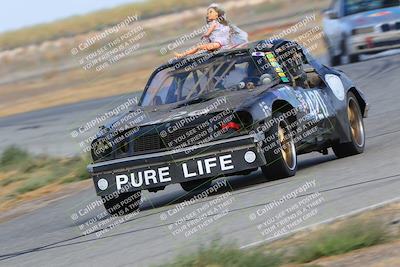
(24, 176)
(351, 236)
(353, 241)
(226, 255)
(39, 94)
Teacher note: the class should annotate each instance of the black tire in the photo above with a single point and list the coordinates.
(281, 157)
(124, 204)
(357, 130)
(196, 185)
(354, 58)
(335, 60)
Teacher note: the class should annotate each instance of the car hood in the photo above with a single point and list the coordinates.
(373, 17)
(152, 115)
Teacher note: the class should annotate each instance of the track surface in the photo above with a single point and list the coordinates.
(49, 237)
(39, 131)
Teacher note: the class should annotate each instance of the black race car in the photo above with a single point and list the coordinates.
(226, 113)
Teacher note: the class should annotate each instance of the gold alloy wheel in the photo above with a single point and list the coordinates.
(356, 125)
(287, 145)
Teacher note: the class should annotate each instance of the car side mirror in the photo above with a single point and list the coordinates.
(331, 14)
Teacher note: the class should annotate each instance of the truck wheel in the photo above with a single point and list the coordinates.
(196, 185)
(124, 204)
(356, 125)
(280, 150)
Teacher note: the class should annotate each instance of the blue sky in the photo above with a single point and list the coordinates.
(16, 14)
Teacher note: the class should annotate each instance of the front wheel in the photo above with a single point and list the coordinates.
(354, 58)
(357, 131)
(280, 150)
(334, 60)
(124, 203)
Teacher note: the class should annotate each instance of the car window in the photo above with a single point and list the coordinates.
(236, 75)
(196, 80)
(172, 85)
(356, 6)
(335, 5)
(169, 86)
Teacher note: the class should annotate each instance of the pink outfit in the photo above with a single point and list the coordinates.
(221, 35)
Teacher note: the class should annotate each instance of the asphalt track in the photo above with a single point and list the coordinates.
(50, 237)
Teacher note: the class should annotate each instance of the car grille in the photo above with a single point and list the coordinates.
(146, 142)
(390, 27)
(149, 142)
(177, 137)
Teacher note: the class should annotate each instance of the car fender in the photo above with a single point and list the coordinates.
(261, 108)
(339, 86)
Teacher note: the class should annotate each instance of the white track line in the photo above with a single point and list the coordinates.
(349, 214)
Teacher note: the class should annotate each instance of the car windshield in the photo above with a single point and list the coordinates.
(356, 6)
(172, 85)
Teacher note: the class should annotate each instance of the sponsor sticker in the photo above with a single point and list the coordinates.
(258, 54)
(278, 69)
(275, 64)
(270, 55)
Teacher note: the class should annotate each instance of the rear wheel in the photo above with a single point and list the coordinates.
(357, 132)
(196, 185)
(124, 203)
(280, 150)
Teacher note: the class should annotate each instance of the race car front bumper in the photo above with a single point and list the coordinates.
(374, 42)
(210, 160)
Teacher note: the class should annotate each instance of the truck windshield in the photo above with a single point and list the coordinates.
(356, 6)
(172, 85)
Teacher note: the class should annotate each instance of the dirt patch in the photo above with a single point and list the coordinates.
(25, 97)
(41, 198)
(28, 181)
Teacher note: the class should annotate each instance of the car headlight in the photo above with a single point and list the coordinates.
(364, 30)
